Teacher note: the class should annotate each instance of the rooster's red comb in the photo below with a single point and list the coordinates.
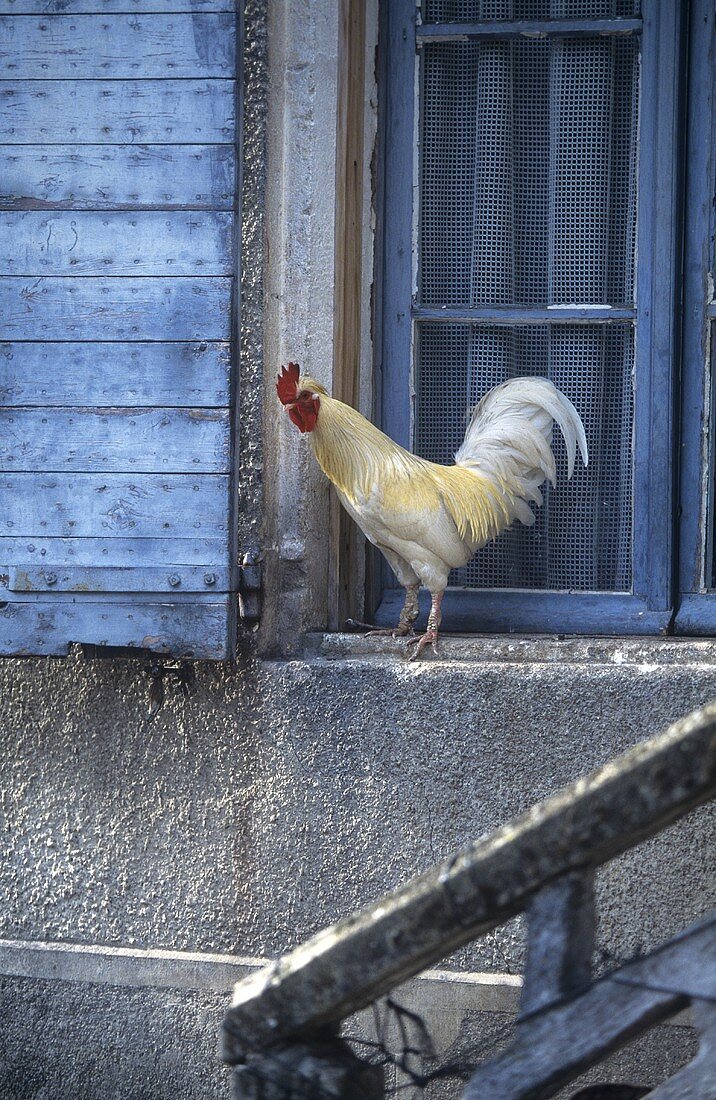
(287, 384)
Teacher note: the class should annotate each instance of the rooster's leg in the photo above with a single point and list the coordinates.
(408, 616)
(430, 637)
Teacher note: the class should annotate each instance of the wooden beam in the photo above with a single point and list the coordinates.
(560, 941)
(555, 1046)
(344, 537)
(346, 967)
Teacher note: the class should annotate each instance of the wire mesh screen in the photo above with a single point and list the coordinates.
(471, 11)
(582, 537)
(528, 171)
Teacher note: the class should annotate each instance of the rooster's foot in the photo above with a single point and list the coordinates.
(402, 630)
(429, 638)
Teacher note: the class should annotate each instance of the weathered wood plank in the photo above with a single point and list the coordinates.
(136, 243)
(119, 47)
(105, 177)
(560, 941)
(136, 111)
(553, 1047)
(88, 440)
(184, 629)
(65, 308)
(124, 578)
(689, 967)
(85, 375)
(109, 505)
(76, 7)
(113, 552)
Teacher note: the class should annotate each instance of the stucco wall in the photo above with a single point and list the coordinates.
(285, 794)
(65, 1040)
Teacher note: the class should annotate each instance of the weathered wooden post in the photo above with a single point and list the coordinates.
(320, 1067)
(281, 1031)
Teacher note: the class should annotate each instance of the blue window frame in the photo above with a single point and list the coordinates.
(508, 108)
(697, 580)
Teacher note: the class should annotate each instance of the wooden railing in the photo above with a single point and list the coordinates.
(281, 1032)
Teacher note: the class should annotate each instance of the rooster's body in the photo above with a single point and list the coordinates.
(426, 518)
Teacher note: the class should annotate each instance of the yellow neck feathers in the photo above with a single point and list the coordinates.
(364, 464)
(352, 452)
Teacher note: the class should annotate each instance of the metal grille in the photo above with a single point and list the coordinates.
(528, 168)
(582, 537)
(473, 11)
(528, 171)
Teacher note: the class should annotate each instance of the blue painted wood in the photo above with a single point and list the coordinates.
(182, 629)
(84, 374)
(51, 112)
(117, 47)
(174, 579)
(164, 506)
(64, 308)
(111, 552)
(528, 612)
(138, 558)
(236, 505)
(657, 330)
(397, 261)
(87, 440)
(521, 315)
(116, 177)
(396, 276)
(111, 243)
(530, 28)
(697, 612)
(658, 284)
(74, 7)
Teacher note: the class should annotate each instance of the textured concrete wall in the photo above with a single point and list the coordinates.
(284, 794)
(65, 1040)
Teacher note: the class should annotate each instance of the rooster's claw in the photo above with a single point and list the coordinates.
(429, 638)
(392, 632)
(399, 631)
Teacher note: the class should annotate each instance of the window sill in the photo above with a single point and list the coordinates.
(523, 649)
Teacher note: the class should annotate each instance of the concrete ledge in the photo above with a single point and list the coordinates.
(440, 995)
(214, 972)
(643, 653)
(157, 969)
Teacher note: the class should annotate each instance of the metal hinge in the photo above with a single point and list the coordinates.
(250, 587)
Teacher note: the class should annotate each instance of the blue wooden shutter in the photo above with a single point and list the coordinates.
(545, 167)
(118, 230)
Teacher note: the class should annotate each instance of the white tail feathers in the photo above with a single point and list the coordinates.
(509, 438)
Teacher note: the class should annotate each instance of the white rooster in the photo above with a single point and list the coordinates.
(426, 518)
